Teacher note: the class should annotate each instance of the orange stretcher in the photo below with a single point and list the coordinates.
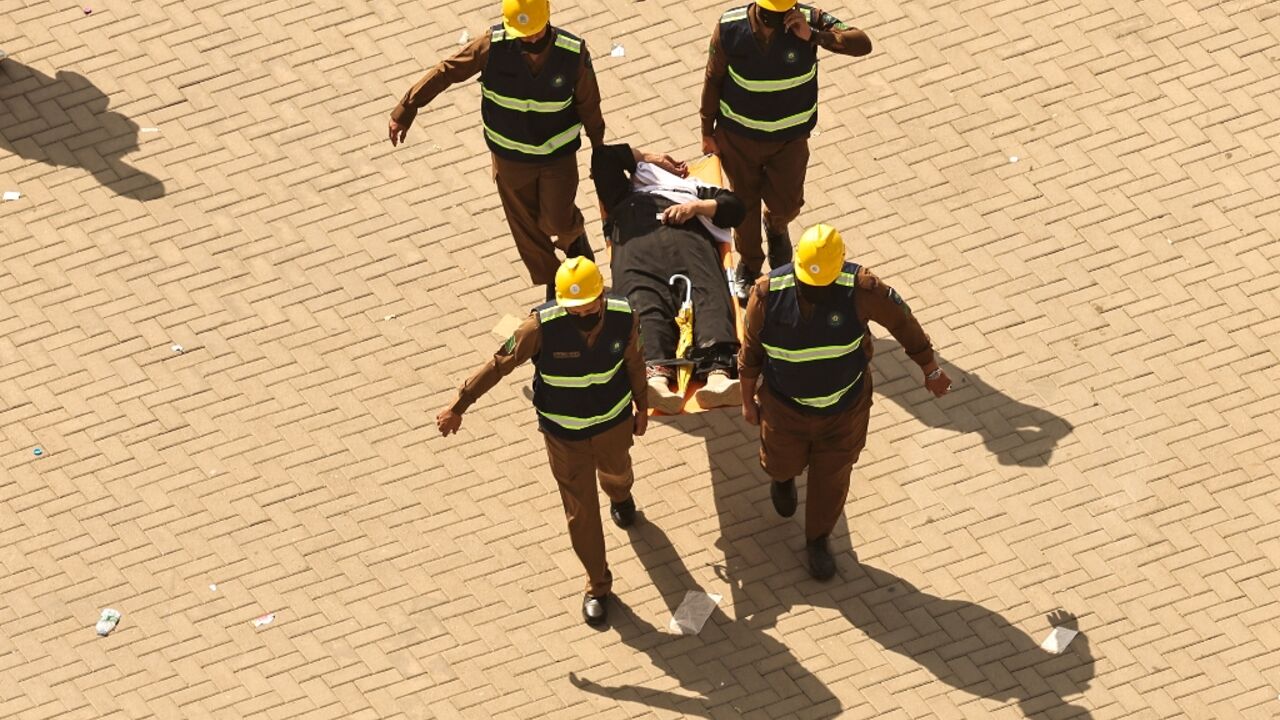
(707, 169)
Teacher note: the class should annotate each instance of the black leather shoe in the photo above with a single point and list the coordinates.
(821, 565)
(623, 513)
(784, 496)
(581, 248)
(743, 279)
(595, 610)
(779, 248)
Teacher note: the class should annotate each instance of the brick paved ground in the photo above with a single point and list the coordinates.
(1106, 303)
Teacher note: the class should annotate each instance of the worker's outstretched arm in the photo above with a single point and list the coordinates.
(465, 64)
(523, 344)
(881, 303)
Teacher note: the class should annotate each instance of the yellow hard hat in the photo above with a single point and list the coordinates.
(776, 5)
(578, 282)
(522, 18)
(819, 255)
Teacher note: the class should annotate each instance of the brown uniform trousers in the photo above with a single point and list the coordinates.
(771, 171)
(575, 465)
(538, 199)
(828, 445)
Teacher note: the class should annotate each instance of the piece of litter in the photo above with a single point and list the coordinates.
(618, 51)
(389, 317)
(264, 620)
(1013, 159)
(1058, 639)
(148, 129)
(693, 612)
(213, 587)
(37, 452)
(88, 10)
(12, 195)
(506, 326)
(110, 618)
(464, 38)
(176, 348)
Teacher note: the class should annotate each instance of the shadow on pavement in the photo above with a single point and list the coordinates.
(733, 667)
(1015, 432)
(63, 121)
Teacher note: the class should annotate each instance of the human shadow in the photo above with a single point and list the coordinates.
(63, 121)
(963, 644)
(1015, 432)
(734, 666)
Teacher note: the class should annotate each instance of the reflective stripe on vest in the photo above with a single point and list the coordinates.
(788, 281)
(769, 125)
(574, 423)
(828, 400)
(613, 304)
(582, 381)
(498, 35)
(734, 15)
(521, 105)
(546, 148)
(568, 43)
(764, 86)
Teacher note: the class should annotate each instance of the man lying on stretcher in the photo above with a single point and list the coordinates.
(661, 223)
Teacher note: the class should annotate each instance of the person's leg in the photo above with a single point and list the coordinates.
(745, 174)
(612, 452)
(784, 441)
(782, 192)
(712, 304)
(558, 211)
(518, 190)
(830, 466)
(574, 470)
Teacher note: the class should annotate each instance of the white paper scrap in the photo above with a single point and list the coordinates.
(12, 195)
(693, 612)
(618, 51)
(1013, 159)
(1059, 639)
(506, 326)
(464, 38)
(264, 620)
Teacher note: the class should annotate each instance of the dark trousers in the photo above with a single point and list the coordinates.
(829, 445)
(538, 199)
(576, 464)
(765, 171)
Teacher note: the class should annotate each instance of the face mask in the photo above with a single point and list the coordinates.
(770, 19)
(533, 48)
(816, 294)
(584, 323)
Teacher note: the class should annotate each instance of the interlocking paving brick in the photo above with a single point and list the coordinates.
(1104, 304)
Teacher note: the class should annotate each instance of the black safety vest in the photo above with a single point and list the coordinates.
(581, 391)
(768, 94)
(530, 117)
(816, 365)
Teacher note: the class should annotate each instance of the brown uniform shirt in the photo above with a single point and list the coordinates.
(527, 342)
(471, 60)
(875, 301)
(828, 32)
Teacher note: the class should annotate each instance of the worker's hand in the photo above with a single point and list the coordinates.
(641, 422)
(750, 410)
(397, 131)
(709, 146)
(939, 385)
(668, 163)
(448, 422)
(795, 24)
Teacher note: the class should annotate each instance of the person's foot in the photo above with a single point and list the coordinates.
(743, 279)
(581, 248)
(784, 496)
(661, 398)
(720, 391)
(623, 513)
(779, 248)
(595, 610)
(821, 565)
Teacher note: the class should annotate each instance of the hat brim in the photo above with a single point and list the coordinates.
(515, 32)
(574, 302)
(776, 5)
